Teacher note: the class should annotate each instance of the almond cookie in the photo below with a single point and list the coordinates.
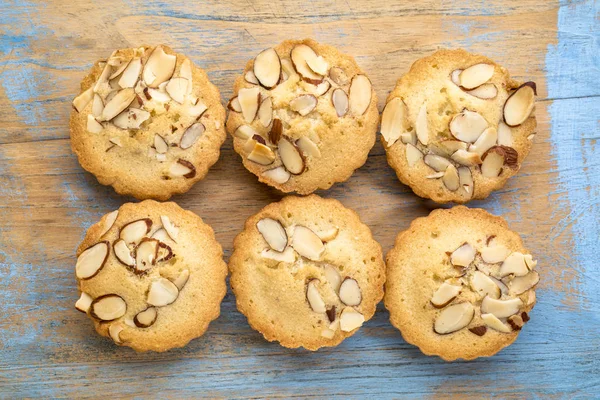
(147, 122)
(456, 126)
(306, 272)
(460, 284)
(303, 116)
(150, 276)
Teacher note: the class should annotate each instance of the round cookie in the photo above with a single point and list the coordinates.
(150, 276)
(456, 126)
(306, 272)
(460, 284)
(303, 116)
(147, 122)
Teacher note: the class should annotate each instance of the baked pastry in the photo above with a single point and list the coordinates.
(457, 126)
(306, 272)
(303, 116)
(147, 122)
(150, 276)
(460, 284)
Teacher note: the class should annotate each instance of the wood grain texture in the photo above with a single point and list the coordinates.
(48, 349)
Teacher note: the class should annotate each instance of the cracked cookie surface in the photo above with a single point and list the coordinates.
(303, 116)
(147, 122)
(150, 276)
(460, 284)
(306, 272)
(456, 127)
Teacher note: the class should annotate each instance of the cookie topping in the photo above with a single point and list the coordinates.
(476, 75)
(249, 101)
(463, 256)
(123, 253)
(291, 157)
(114, 331)
(493, 322)
(182, 279)
(314, 298)
(267, 68)
(445, 294)
(84, 302)
(273, 233)
(468, 126)
(278, 175)
(182, 168)
(303, 104)
(350, 293)
(170, 227)
(454, 318)
(360, 95)
(91, 260)
(300, 57)
(134, 231)
(393, 120)
(307, 243)
(350, 319)
(159, 68)
(146, 318)
(108, 307)
(519, 105)
(162, 292)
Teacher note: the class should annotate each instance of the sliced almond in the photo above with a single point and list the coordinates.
(446, 148)
(234, 105)
(84, 302)
(80, 102)
(421, 125)
(467, 158)
(114, 332)
(467, 126)
(134, 231)
(500, 308)
(160, 145)
(248, 99)
(318, 65)
(314, 298)
(250, 77)
(308, 147)
(132, 118)
(516, 322)
(492, 164)
(157, 96)
(265, 112)
(101, 87)
(177, 89)
(307, 243)
(118, 103)
(360, 95)
(487, 91)
(350, 319)
(494, 254)
(109, 221)
(299, 55)
(454, 318)
(191, 135)
(245, 132)
(278, 175)
(159, 67)
(450, 178)
(273, 233)
(161, 235)
(304, 104)
(504, 135)
(276, 131)
(521, 284)
(340, 102)
(287, 68)
(130, 75)
(476, 75)
(514, 264)
(465, 179)
(445, 294)
(261, 154)
(409, 137)
(162, 292)
(393, 120)
(519, 104)
(328, 235)
(338, 76)
(413, 155)
(333, 277)
(267, 68)
(291, 157)
(436, 175)
(185, 71)
(493, 322)
(146, 254)
(483, 285)
(530, 262)
(455, 76)
(146, 318)
(439, 164)
(463, 256)
(486, 141)
(182, 279)
(108, 307)
(120, 68)
(164, 252)
(93, 126)
(321, 88)
(92, 260)
(198, 110)
(97, 106)
(350, 293)
(123, 253)
(183, 168)
(288, 255)
(170, 227)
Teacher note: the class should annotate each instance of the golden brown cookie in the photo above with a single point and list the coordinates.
(457, 126)
(150, 276)
(303, 116)
(147, 122)
(306, 272)
(460, 284)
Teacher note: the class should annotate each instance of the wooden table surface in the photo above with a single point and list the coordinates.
(48, 349)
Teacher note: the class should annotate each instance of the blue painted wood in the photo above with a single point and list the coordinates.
(47, 349)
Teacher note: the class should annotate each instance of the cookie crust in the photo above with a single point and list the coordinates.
(272, 294)
(418, 264)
